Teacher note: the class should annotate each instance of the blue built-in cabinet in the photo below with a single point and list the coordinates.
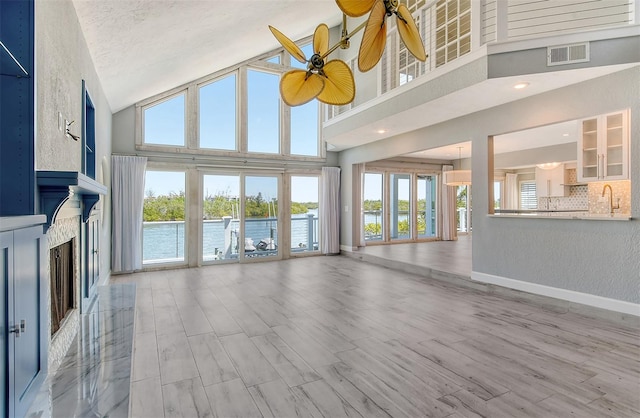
(17, 182)
(23, 245)
(23, 311)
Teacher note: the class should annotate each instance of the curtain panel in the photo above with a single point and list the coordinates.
(127, 200)
(330, 210)
(510, 191)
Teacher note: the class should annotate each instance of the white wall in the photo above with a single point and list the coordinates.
(595, 257)
(62, 62)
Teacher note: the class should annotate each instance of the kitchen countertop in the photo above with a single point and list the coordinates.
(583, 215)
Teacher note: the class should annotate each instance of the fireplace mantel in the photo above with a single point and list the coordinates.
(55, 187)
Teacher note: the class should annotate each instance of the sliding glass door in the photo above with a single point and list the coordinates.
(426, 206)
(400, 206)
(259, 223)
(372, 206)
(220, 217)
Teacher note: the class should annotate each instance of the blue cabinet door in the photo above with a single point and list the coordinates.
(23, 305)
(27, 244)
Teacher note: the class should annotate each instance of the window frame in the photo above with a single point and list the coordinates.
(240, 154)
(140, 122)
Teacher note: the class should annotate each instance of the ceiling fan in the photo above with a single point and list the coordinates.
(332, 82)
(375, 33)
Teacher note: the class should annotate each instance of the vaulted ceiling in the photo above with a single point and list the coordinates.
(144, 47)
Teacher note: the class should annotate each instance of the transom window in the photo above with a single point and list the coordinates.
(164, 122)
(236, 111)
(218, 114)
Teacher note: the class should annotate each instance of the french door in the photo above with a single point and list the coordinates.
(240, 217)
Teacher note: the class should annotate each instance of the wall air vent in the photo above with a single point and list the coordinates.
(567, 54)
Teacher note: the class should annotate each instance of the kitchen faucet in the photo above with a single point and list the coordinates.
(611, 207)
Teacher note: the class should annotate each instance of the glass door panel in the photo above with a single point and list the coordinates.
(220, 217)
(163, 233)
(463, 209)
(372, 206)
(426, 216)
(399, 206)
(260, 223)
(304, 214)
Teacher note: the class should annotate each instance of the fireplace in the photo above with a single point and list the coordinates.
(62, 285)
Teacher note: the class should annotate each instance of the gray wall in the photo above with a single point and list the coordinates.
(63, 61)
(595, 257)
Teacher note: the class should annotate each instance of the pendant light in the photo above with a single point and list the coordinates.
(457, 177)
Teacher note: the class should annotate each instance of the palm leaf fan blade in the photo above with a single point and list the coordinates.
(298, 87)
(409, 33)
(339, 86)
(374, 38)
(321, 39)
(355, 8)
(289, 45)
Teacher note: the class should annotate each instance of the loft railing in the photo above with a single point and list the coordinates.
(451, 29)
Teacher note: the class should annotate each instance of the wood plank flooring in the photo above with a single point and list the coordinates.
(336, 337)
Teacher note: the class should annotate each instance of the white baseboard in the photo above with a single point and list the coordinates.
(348, 248)
(557, 293)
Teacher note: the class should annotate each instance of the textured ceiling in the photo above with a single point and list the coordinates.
(144, 47)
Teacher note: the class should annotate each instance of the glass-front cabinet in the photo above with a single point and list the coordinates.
(603, 147)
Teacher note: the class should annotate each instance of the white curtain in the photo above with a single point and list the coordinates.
(510, 191)
(330, 210)
(449, 194)
(358, 198)
(127, 199)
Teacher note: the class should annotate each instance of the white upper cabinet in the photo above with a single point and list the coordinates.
(603, 147)
(551, 182)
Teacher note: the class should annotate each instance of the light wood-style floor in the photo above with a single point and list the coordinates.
(333, 336)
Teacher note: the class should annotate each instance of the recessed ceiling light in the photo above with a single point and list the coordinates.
(565, 134)
(520, 85)
(381, 131)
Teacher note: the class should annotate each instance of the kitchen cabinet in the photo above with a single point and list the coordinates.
(551, 182)
(603, 147)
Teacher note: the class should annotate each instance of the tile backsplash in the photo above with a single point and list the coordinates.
(621, 189)
(578, 198)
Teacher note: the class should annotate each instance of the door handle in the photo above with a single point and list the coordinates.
(15, 329)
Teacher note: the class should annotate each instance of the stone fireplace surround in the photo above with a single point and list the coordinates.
(67, 198)
(65, 228)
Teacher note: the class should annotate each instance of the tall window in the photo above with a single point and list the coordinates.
(218, 114)
(304, 214)
(426, 206)
(453, 30)
(372, 206)
(164, 122)
(263, 112)
(400, 206)
(163, 217)
(528, 199)
(463, 209)
(304, 129)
